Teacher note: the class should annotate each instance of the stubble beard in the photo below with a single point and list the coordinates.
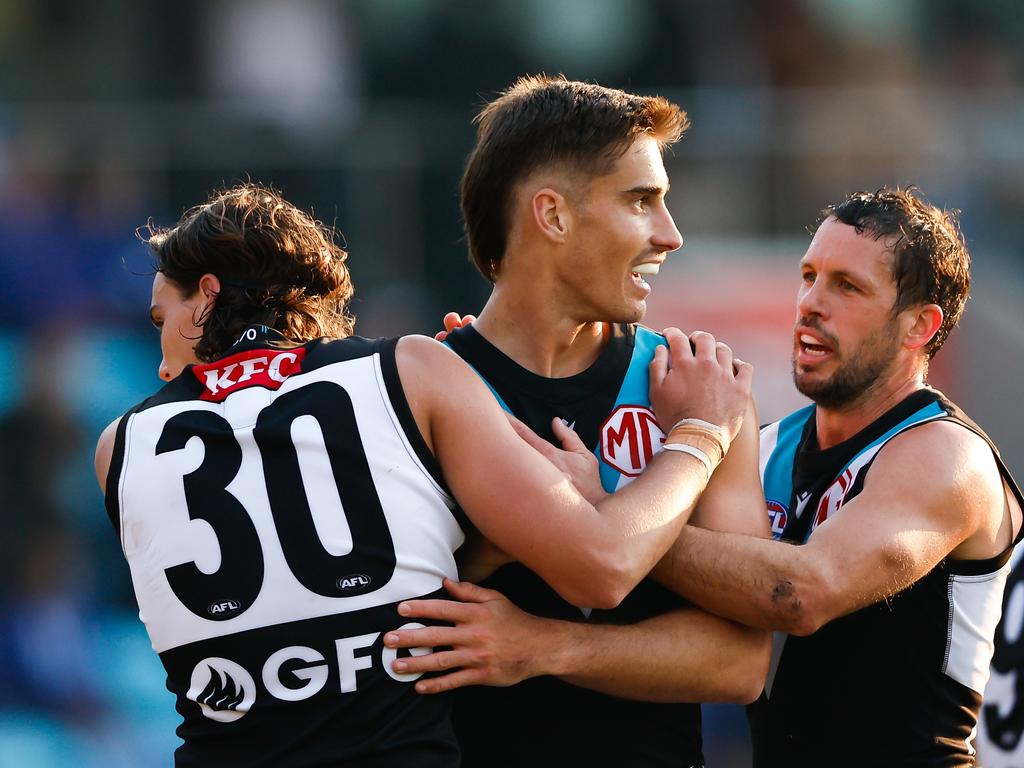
(853, 380)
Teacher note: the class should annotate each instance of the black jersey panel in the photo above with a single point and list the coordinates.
(314, 684)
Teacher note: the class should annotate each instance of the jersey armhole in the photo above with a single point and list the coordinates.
(408, 426)
(112, 487)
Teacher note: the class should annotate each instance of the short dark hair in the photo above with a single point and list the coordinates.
(931, 264)
(545, 121)
(276, 264)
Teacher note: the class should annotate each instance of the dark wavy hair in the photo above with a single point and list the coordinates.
(544, 121)
(931, 264)
(276, 264)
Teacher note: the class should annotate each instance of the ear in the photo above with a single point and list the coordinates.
(550, 214)
(921, 324)
(209, 287)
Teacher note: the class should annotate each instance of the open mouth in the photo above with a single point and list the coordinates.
(648, 268)
(812, 348)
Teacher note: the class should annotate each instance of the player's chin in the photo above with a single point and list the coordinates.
(631, 311)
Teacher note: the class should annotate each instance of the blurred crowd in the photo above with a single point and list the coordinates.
(114, 113)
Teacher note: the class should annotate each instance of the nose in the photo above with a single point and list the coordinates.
(666, 235)
(810, 300)
(162, 371)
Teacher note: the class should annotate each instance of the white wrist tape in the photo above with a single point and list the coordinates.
(697, 453)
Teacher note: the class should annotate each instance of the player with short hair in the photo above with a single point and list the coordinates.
(905, 512)
(564, 205)
(283, 494)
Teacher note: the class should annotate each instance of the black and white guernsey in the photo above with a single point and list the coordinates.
(274, 506)
(898, 683)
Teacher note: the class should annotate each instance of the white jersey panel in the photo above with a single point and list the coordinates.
(975, 607)
(158, 534)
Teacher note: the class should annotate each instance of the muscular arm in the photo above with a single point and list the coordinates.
(591, 556)
(930, 493)
(682, 655)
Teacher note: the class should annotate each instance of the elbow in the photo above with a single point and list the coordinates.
(805, 606)
(744, 678)
(601, 582)
(751, 678)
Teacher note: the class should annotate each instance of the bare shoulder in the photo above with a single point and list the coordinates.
(948, 472)
(104, 450)
(943, 454)
(422, 361)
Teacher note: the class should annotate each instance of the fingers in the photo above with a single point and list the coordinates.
(658, 369)
(537, 442)
(452, 320)
(724, 354)
(470, 593)
(450, 682)
(443, 610)
(567, 436)
(424, 637)
(744, 373)
(704, 345)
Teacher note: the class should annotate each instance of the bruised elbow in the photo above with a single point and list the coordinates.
(802, 607)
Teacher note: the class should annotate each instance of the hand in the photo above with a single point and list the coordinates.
(492, 642)
(702, 381)
(451, 321)
(573, 460)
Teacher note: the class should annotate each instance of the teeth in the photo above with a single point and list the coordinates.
(650, 268)
(809, 340)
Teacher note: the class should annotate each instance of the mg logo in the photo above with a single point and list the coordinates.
(630, 437)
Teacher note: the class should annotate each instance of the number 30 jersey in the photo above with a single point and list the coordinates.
(274, 506)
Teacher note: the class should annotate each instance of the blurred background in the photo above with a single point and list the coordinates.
(115, 112)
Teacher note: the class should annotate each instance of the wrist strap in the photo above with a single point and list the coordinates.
(697, 453)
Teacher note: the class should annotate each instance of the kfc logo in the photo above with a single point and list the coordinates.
(630, 437)
(259, 367)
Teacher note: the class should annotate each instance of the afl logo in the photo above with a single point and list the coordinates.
(778, 515)
(356, 582)
(630, 437)
(224, 609)
(223, 689)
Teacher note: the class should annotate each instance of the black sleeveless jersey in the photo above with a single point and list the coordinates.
(896, 684)
(274, 506)
(544, 721)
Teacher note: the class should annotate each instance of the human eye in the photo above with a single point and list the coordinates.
(847, 286)
(807, 275)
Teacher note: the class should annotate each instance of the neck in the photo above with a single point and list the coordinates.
(834, 425)
(533, 330)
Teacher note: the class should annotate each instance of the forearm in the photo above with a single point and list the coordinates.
(686, 655)
(643, 519)
(757, 582)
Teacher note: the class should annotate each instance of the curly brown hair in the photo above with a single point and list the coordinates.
(276, 264)
(544, 121)
(931, 264)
